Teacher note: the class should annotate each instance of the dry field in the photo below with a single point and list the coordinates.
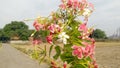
(107, 53)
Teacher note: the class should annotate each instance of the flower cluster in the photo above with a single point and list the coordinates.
(81, 52)
(38, 26)
(62, 26)
(54, 28)
(83, 6)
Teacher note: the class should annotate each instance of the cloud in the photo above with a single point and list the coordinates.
(22, 9)
(106, 15)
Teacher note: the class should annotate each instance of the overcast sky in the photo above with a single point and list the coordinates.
(106, 15)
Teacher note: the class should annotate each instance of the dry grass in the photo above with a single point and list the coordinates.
(25, 48)
(107, 53)
(107, 43)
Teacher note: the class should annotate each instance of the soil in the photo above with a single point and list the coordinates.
(12, 58)
(108, 55)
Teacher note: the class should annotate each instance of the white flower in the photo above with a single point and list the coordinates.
(86, 12)
(63, 37)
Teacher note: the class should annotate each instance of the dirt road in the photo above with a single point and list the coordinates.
(12, 58)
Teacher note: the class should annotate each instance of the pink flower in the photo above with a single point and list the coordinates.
(76, 4)
(53, 64)
(89, 50)
(85, 43)
(62, 1)
(91, 5)
(84, 4)
(78, 51)
(84, 36)
(73, 3)
(36, 42)
(62, 6)
(69, 3)
(91, 39)
(65, 65)
(95, 64)
(49, 39)
(84, 1)
(51, 28)
(82, 27)
(37, 26)
(54, 28)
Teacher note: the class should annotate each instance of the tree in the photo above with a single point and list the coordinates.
(17, 29)
(99, 34)
(3, 36)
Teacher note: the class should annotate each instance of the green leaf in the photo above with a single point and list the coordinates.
(79, 66)
(83, 61)
(67, 56)
(58, 52)
(67, 48)
(88, 59)
(35, 54)
(75, 40)
(51, 47)
(41, 59)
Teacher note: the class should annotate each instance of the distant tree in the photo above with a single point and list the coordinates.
(17, 29)
(3, 36)
(98, 34)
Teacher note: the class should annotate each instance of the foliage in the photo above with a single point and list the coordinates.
(17, 29)
(66, 26)
(3, 36)
(58, 52)
(0, 44)
(99, 34)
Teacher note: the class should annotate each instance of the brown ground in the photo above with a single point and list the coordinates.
(12, 58)
(107, 54)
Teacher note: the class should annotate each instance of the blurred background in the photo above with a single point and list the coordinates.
(105, 19)
(106, 15)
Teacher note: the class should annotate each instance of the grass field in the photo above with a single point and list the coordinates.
(107, 53)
